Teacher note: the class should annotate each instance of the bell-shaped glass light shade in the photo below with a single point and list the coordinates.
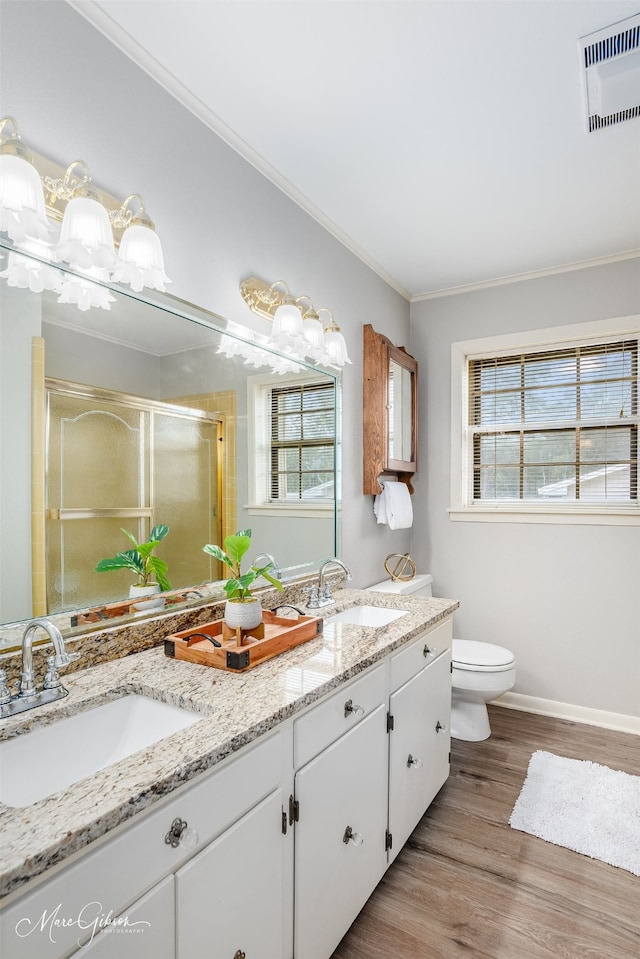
(86, 239)
(22, 211)
(286, 333)
(84, 293)
(26, 273)
(287, 320)
(335, 346)
(140, 262)
(313, 333)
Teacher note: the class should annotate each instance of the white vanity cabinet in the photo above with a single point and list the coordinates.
(419, 730)
(145, 931)
(235, 810)
(230, 896)
(289, 837)
(340, 835)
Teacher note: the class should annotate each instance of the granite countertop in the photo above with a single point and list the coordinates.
(236, 708)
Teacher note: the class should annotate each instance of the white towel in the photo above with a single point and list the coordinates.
(393, 505)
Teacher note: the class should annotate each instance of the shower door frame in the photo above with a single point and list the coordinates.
(143, 405)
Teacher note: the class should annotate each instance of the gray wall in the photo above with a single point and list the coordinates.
(563, 598)
(75, 95)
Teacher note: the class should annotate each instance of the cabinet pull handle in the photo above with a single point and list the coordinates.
(413, 762)
(440, 726)
(350, 836)
(351, 710)
(426, 651)
(181, 835)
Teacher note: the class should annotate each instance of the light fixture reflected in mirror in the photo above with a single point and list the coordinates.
(35, 195)
(297, 328)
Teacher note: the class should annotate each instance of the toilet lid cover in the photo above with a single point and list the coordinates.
(470, 653)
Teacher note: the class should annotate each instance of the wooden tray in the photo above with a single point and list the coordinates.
(239, 650)
(112, 610)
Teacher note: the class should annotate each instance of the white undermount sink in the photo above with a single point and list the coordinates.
(37, 764)
(366, 616)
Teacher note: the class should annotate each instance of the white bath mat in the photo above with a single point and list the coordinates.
(586, 807)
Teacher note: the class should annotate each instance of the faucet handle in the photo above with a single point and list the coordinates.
(51, 680)
(312, 592)
(63, 659)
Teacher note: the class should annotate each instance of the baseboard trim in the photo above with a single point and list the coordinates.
(577, 714)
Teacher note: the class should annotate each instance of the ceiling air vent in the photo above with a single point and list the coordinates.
(610, 61)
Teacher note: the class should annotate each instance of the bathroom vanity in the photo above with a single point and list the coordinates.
(260, 830)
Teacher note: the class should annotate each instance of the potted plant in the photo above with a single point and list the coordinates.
(151, 571)
(242, 608)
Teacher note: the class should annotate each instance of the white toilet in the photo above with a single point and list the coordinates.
(481, 673)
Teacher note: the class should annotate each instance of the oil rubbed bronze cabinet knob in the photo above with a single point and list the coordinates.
(353, 710)
(181, 835)
(350, 836)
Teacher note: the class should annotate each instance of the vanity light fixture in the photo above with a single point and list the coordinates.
(36, 196)
(297, 328)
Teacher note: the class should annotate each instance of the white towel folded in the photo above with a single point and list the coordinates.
(393, 505)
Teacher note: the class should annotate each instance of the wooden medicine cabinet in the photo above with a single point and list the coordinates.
(390, 411)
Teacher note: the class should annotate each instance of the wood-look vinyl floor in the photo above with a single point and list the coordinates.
(467, 885)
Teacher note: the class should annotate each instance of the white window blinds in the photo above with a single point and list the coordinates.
(302, 443)
(555, 426)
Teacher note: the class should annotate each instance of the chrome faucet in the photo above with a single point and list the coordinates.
(28, 695)
(321, 595)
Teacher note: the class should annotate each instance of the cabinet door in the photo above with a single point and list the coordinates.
(345, 786)
(229, 897)
(146, 930)
(418, 747)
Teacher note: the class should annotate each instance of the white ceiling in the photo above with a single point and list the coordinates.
(442, 140)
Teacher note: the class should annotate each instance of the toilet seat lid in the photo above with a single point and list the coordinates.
(470, 654)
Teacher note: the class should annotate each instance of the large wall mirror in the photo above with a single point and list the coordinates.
(150, 412)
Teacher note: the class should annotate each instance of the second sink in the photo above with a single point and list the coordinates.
(39, 763)
(366, 616)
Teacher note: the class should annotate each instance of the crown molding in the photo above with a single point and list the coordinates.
(102, 22)
(531, 275)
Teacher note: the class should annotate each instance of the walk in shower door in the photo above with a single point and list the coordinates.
(116, 461)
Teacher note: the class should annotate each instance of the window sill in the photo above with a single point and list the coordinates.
(576, 516)
(303, 510)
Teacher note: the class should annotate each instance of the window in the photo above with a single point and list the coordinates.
(292, 444)
(550, 428)
(556, 425)
(302, 442)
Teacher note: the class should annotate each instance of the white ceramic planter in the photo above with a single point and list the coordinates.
(145, 597)
(246, 615)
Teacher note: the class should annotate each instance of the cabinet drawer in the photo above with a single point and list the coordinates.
(323, 724)
(420, 653)
(121, 869)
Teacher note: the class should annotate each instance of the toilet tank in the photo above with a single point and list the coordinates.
(420, 585)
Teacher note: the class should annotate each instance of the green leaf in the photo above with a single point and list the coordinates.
(159, 532)
(127, 560)
(233, 588)
(236, 546)
(271, 579)
(146, 549)
(129, 536)
(159, 568)
(218, 554)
